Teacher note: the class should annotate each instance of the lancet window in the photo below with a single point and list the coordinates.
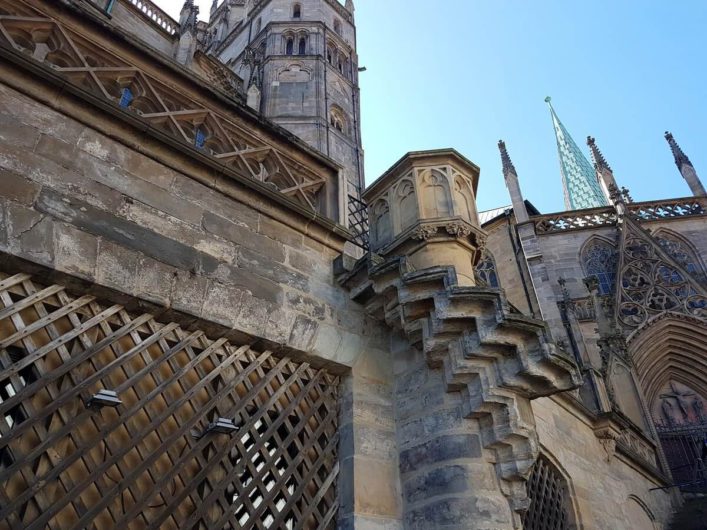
(297, 11)
(199, 138)
(600, 259)
(290, 46)
(485, 271)
(302, 50)
(126, 97)
(681, 252)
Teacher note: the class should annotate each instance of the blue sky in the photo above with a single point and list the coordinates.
(465, 73)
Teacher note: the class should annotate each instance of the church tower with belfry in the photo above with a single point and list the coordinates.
(299, 65)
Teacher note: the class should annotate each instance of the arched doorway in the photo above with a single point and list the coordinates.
(670, 356)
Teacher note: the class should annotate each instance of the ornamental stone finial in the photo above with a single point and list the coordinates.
(687, 170)
(506, 161)
(511, 177)
(678, 153)
(600, 162)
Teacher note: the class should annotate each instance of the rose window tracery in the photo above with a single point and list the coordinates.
(651, 285)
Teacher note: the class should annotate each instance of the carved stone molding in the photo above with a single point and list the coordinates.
(424, 232)
(496, 359)
(458, 230)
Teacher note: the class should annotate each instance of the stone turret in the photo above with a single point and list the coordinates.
(687, 170)
(424, 207)
(463, 340)
(186, 45)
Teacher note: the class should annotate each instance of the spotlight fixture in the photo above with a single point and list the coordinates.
(220, 426)
(104, 398)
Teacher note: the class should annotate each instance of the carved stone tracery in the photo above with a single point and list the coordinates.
(652, 282)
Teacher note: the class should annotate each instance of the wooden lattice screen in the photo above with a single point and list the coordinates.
(144, 464)
(548, 498)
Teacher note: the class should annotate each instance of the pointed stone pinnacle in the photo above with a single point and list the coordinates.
(598, 159)
(508, 166)
(678, 154)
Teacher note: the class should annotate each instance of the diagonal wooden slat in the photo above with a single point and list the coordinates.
(139, 466)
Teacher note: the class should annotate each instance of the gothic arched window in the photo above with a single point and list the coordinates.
(126, 97)
(485, 271)
(302, 46)
(297, 11)
(289, 46)
(599, 259)
(547, 491)
(199, 138)
(680, 251)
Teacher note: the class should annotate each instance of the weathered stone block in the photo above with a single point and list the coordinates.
(243, 236)
(132, 186)
(116, 266)
(305, 304)
(279, 232)
(215, 202)
(57, 150)
(303, 332)
(446, 480)
(75, 251)
(17, 188)
(130, 235)
(153, 281)
(440, 449)
(377, 489)
(13, 132)
(222, 304)
(264, 266)
(188, 292)
(374, 442)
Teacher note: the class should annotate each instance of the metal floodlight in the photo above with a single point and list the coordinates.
(220, 426)
(104, 398)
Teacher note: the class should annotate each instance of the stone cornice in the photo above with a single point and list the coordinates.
(497, 360)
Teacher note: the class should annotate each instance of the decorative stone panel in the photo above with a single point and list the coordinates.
(425, 207)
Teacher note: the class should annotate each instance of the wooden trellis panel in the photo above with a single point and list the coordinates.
(143, 464)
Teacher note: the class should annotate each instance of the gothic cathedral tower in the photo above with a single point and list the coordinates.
(298, 60)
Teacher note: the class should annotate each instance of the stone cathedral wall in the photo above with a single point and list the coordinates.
(90, 212)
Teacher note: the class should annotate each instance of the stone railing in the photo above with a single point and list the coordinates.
(200, 127)
(155, 15)
(577, 220)
(658, 210)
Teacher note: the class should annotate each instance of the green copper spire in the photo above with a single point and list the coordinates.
(579, 179)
